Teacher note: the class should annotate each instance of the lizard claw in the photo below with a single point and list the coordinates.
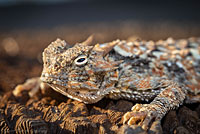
(142, 115)
(31, 85)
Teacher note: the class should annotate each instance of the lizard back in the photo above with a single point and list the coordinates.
(177, 60)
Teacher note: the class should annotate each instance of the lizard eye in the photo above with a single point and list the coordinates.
(81, 60)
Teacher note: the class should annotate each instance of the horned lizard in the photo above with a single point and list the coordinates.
(163, 74)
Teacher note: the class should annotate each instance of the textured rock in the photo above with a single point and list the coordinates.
(49, 114)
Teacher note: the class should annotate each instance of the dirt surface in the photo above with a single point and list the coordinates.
(20, 59)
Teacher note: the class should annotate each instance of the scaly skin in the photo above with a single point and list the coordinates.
(162, 74)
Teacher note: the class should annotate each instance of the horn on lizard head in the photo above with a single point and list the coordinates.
(104, 49)
(89, 41)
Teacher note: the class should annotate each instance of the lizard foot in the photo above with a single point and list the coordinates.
(143, 115)
(31, 85)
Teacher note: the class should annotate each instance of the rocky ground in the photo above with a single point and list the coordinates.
(54, 113)
(20, 59)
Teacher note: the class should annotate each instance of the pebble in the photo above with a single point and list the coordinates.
(11, 46)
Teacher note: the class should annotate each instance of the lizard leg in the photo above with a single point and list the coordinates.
(145, 114)
(32, 85)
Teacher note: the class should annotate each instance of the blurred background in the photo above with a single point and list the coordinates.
(28, 26)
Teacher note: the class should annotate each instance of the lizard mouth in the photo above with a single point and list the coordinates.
(82, 95)
(79, 95)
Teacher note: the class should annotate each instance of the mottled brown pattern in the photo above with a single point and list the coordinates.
(140, 71)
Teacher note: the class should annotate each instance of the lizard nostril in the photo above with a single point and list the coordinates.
(56, 66)
(77, 92)
(92, 94)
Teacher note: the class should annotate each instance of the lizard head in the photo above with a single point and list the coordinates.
(81, 72)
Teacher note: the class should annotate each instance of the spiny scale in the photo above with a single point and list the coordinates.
(165, 72)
